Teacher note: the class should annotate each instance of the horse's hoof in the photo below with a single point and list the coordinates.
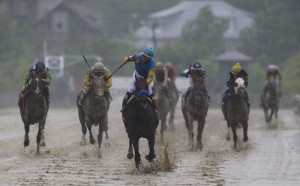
(92, 142)
(129, 156)
(246, 139)
(26, 143)
(150, 158)
(83, 143)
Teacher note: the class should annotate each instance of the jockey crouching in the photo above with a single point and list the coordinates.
(236, 72)
(171, 70)
(97, 70)
(144, 68)
(273, 75)
(196, 71)
(161, 75)
(38, 69)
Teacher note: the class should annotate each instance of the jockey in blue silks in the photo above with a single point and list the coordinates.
(144, 68)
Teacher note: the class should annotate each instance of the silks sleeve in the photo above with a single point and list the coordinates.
(47, 79)
(150, 76)
(86, 80)
(26, 79)
(109, 81)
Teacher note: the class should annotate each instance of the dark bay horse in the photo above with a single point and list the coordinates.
(173, 99)
(140, 120)
(163, 106)
(270, 101)
(33, 109)
(236, 110)
(194, 106)
(93, 111)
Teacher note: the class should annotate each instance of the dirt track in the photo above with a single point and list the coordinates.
(271, 157)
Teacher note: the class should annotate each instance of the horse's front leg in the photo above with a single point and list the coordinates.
(100, 135)
(171, 119)
(191, 133)
(163, 126)
(40, 135)
(151, 155)
(201, 124)
(89, 126)
(130, 152)
(233, 128)
(137, 156)
(245, 129)
(26, 137)
(42, 128)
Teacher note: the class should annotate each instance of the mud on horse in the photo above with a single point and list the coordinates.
(33, 109)
(141, 120)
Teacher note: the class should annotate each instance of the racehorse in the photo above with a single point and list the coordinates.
(33, 109)
(141, 120)
(163, 105)
(270, 101)
(236, 110)
(194, 106)
(173, 99)
(93, 111)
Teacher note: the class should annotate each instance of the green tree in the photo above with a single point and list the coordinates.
(291, 74)
(15, 54)
(275, 35)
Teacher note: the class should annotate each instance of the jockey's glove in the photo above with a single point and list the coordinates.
(125, 60)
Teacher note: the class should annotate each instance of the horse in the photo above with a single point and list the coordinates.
(93, 111)
(236, 110)
(296, 104)
(270, 101)
(140, 120)
(162, 103)
(173, 99)
(194, 106)
(33, 109)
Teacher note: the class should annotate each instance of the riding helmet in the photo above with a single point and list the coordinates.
(236, 68)
(148, 52)
(196, 65)
(39, 66)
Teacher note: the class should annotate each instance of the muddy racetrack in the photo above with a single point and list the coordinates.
(270, 157)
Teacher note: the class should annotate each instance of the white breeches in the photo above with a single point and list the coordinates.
(131, 88)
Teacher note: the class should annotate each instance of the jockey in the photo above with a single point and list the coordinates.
(98, 70)
(273, 74)
(193, 72)
(236, 72)
(161, 74)
(39, 69)
(144, 68)
(171, 72)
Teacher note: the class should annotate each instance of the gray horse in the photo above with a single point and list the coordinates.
(33, 109)
(173, 99)
(270, 101)
(236, 110)
(93, 111)
(163, 106)
(195, 103)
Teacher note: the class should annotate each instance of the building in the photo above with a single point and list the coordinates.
(166, 26)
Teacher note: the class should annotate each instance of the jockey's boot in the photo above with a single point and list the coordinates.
(47, 97)
(206, 93)
(153, 102)
(125, 100)
(82, 96)
(108, 98)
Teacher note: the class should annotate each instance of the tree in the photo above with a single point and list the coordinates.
(291, 74)
(275, 35)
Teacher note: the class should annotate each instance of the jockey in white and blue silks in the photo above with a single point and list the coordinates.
(144, 68)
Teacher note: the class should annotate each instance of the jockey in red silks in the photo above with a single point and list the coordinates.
(144, 68)
(273, 75)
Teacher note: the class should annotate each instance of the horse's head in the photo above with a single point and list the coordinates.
(240, 87)
(98, 85)
(196, 96)
(159, 90)
(142, 91)
(36, 84)
(271, 89)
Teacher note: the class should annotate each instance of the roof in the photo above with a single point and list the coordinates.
(172, 20)
(233, 55)
(87, 13)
